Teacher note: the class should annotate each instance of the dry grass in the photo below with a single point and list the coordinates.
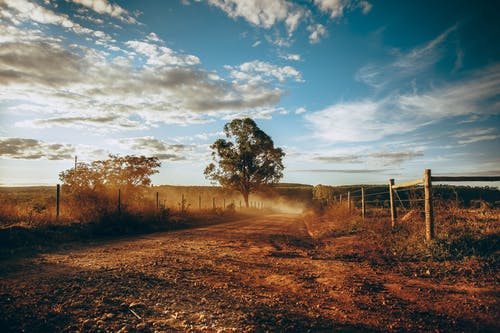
(335, 220)
(28, 216)
(466, 240)
(35, 206)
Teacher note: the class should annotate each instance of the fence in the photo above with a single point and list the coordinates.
(159, 202)
(392, 192)
(382, 200)
(428, 198)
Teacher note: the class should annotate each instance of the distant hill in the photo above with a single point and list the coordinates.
(283, 185)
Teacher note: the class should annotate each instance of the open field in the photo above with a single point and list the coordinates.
(319, 269)
(37, 205)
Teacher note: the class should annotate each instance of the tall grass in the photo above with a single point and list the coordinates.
(34, 206)
(28, 216)
(460, 233)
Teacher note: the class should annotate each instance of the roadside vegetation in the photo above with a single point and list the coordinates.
(466, 246)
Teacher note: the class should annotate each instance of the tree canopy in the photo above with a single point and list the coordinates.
(116, 171)
(246, 160)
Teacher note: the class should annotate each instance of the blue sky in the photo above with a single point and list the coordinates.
(353, 91)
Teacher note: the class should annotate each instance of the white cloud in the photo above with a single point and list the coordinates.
(267, 14)
(99, 124)
(334, 7)
(175, 151)
(22, 10)
(161, 55)
(153, 37)
(425, 55)
(293, 19)
(300, 110)
(260, 113)
(37, 13)
(31, 149)
(317, 32)
(253, 71)
(356, 121)
(257, 43)
(337, 8)
(366, 7)
(368, 156)
(278, 41)
(34, 149)
(81, 87)
(476, 135)
(479, 138)
(261, 13)
(291, 57)
(405, 65)
(198, 137)
(371, 120)
(155, 147)
(104, 7)
(207, 136)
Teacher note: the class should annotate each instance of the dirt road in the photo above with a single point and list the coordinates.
(254, 275)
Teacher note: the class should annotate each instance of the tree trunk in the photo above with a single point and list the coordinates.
(245, 197)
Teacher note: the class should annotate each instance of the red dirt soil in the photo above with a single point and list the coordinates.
(253, 275)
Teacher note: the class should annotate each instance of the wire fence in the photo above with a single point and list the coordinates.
(416, 194)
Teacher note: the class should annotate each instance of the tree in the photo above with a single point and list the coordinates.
(126, 172)
(247, 160)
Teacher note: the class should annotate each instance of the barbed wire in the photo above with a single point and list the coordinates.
(372, 194)
(412, 200)
(373, 201)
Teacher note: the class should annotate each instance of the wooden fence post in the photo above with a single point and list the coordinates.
(58, 196)
(393, 205)
(213, 203)
(182, 202)
(157, 200)
(349, 200)
(224, 202)
(429, 212)
(119, 201)
(199, 202)
(340, 199)
(363, 208)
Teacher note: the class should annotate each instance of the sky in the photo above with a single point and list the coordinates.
(354, 92)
